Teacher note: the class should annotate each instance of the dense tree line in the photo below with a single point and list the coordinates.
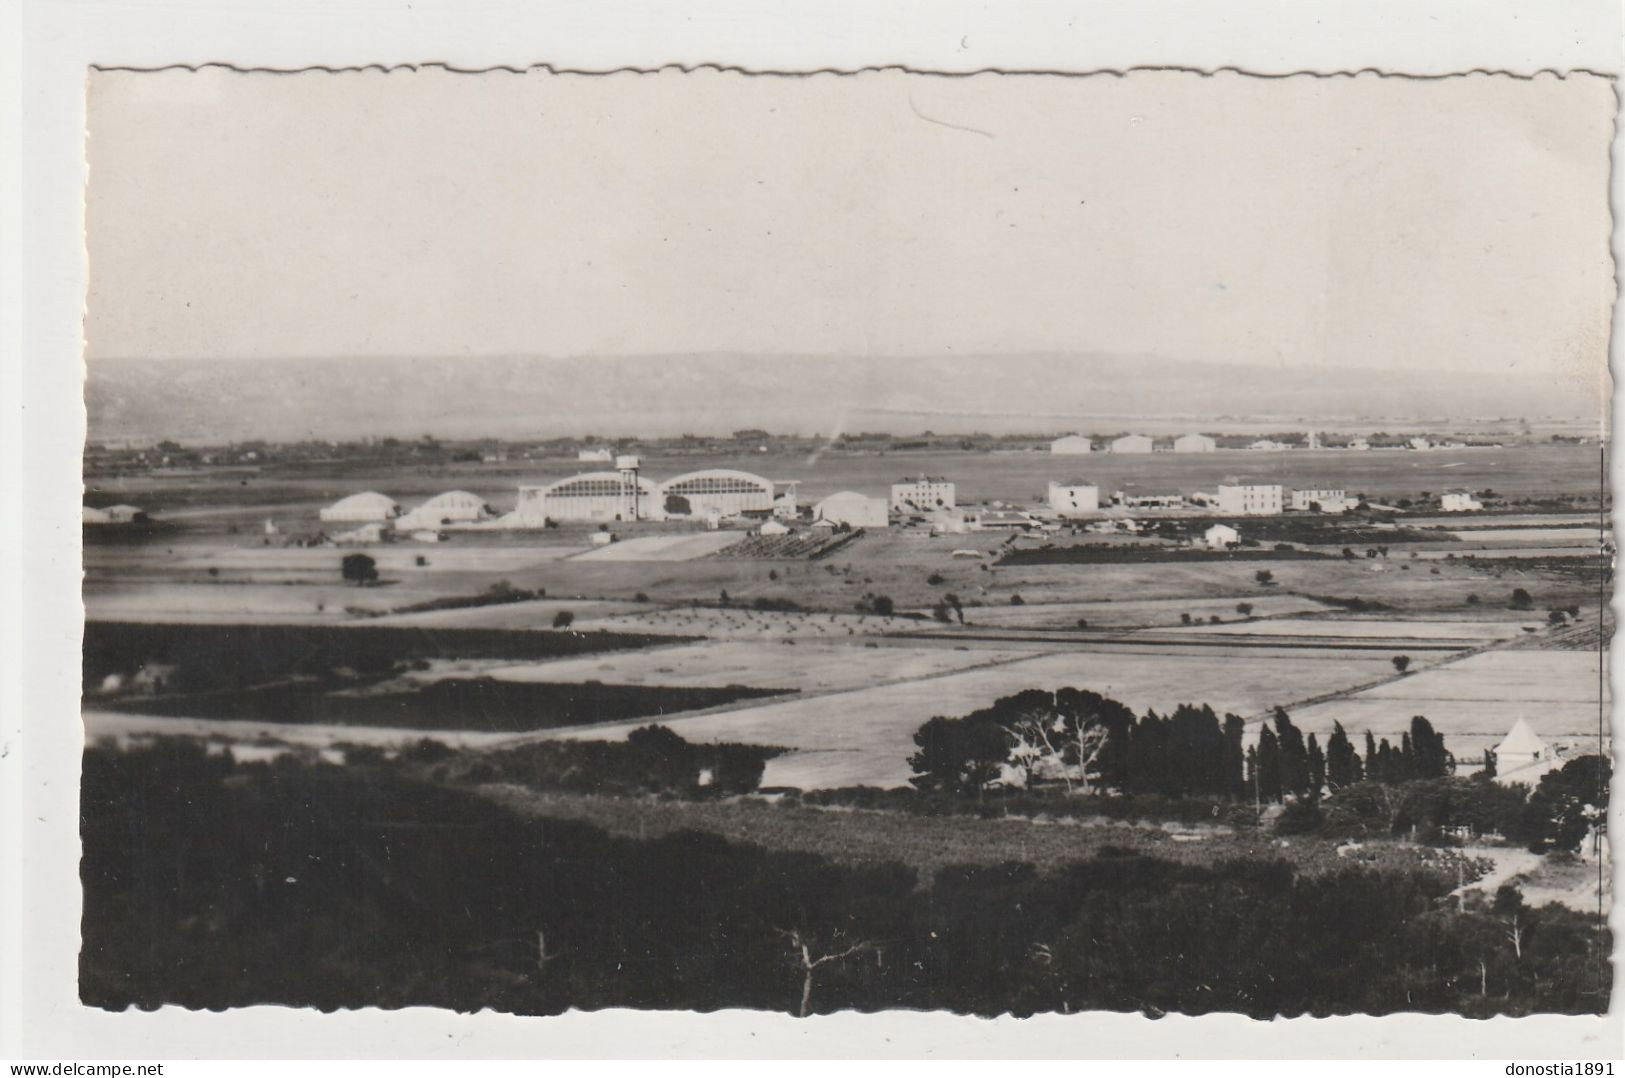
(210, 884)
(1082, 738)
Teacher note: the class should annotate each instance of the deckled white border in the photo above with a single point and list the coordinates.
(42, 425)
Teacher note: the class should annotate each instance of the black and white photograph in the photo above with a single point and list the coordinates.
(997, 544)
(689, 540)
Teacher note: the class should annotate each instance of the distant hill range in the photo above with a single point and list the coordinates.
(522, 398)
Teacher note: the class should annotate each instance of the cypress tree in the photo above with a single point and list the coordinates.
(1317, 769)
(1237, 780)
(1433, 760)
(1340, 759)
(1269, 765)
(1293, 755)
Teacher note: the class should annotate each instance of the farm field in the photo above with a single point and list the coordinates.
(1476, 700)
(730, 623)
(1368, 629)
(1557, 536)
(662, 547)
(1133, 613)
(813, 667)
(864, 737)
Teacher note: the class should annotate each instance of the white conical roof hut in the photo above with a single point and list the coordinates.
(1519, 746)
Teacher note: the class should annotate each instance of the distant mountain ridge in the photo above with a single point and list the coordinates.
(529, 397)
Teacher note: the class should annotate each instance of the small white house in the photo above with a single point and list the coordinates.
(1325, 500)
(1074, 498)
(1420, 443)
(1133, 443)
(1459, 501)
(595, 456)
(1221, 537)
(602, 538)
(1195, 443)
(772, 528)
(364, 535)
(1071, 445)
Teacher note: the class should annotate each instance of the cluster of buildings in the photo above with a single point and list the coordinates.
(716, 495)
(1195, 442)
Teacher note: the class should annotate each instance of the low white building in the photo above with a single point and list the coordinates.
(365, 534)
(773, 527)
(1195, 443)
(1133, 443)
(1459, 501)
(1325, 500)
(922, 495)
(1221, 537)
(1420, 443)
(1004, 520)
(368, 506)
(1250, 499)
(853, 509)
(1156, 499)
(1074, 498)
(595, 456)
(1071, 445)
(1359, 444)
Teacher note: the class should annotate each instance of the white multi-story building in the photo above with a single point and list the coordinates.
(1195, 443)
(1133, 443)
(1074, 498)
(1071, 445)
(1250, 499)
(922, 495)
(1325, 500)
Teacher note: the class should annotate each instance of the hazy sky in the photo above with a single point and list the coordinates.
(1457, 223)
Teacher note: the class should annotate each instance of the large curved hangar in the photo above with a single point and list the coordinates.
(592, 496)
(723, 491)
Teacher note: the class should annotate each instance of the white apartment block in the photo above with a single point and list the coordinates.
(1250, 499)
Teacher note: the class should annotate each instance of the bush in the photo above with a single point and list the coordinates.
(563, 619)
(1521, 600)
(1299, 818)
(1017, 600)
(934, 579)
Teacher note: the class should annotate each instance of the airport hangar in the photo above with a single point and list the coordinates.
(627, 494)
